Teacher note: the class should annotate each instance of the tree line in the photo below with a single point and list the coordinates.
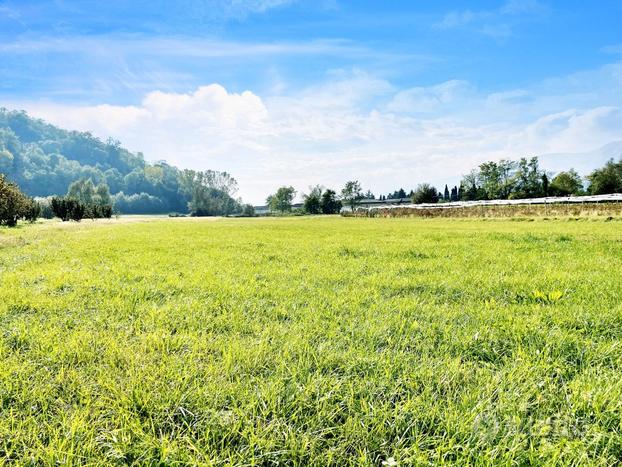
(319, 200)
(522, 179)
(505, 179)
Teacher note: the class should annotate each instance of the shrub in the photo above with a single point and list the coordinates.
(31, 210)
(76, 210)
(71, 209)
(98, 211)
(248, 211)
(15, 205)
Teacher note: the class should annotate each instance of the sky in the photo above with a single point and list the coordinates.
(306, 92)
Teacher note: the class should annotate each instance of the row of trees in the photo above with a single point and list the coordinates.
(326, 201)
(209, 193)
(526, 179)
(83, 201)
(318, 201)
(505, 179)
(67, 208)
(520, 179)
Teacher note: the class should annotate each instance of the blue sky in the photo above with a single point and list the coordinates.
(304, 92)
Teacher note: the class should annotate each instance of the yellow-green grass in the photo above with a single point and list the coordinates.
(311, 341)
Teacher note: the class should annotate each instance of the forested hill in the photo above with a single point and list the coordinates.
(44, 160)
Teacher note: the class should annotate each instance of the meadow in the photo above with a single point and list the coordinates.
(311, 341)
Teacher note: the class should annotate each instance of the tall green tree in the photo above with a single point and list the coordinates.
(352, 194)
(210, 193)
(566, 183)
(425, 193)
(505, 169)
(312, 200)
(528, 179)
(329, 203)
(469, 187)
(455, 196)
(489, 179)
(102, 195)
(282, 200)
(607, 179)
(83, 190)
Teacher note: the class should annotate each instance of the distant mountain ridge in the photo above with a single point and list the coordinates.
(44, 160)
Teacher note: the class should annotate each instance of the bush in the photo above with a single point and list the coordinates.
(72, 209)
(31, 211)
(97, 211)
(248, 211)
(15, 205)
(76, 210)
(68, 209)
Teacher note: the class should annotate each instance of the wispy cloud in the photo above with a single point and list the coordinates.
(524, 7)
(8, 12)
(179, 46)
(122, 65)
(613, 49)
(87, 14)
(244, 7)
(495, 23)
(455, 19)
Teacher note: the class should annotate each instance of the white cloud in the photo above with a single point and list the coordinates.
(455, 19)
(357, 126)
(254, 6)
(496, 23)
(429, 99)
(518, 7)
(573, 130)
(212, 105)
(613, 49)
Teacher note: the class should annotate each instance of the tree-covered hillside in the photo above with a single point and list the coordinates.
(44, 160)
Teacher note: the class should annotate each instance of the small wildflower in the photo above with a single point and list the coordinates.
(390, 462)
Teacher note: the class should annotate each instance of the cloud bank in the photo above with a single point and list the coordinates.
(359, 126)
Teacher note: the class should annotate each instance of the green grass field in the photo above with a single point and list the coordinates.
(311, 341)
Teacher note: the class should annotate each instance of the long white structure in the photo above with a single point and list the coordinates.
(612, 198)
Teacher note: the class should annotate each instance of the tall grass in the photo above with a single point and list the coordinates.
(311, 341)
